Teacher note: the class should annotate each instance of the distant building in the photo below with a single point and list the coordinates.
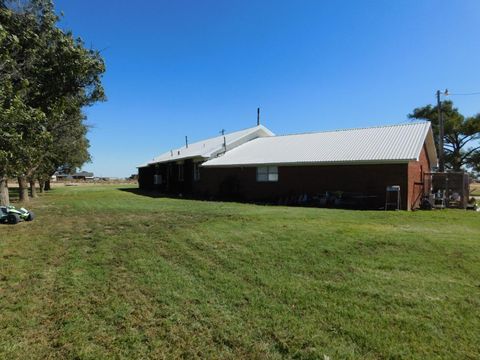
(82, 175)
(351, 168)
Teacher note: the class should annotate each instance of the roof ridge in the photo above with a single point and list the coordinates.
(350, 129)
(213, 143)
(380, 144)
(216, 136)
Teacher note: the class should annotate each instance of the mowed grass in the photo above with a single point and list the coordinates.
(105, 273)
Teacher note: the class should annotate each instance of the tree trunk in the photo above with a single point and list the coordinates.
(4, 196)
(23, 189)
(47, 185)
(41, 184)
(33, 189)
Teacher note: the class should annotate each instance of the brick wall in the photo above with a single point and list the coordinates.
(145, 178)
(367, 180)
(416, 171)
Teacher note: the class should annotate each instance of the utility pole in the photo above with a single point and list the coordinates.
(441, 158)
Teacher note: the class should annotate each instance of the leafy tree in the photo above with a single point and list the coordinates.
(9, 139)
(68, 152)
(461, 146)
(21, 50)
(7, 133)
(22, 134)
(53, 73)
(22, 127)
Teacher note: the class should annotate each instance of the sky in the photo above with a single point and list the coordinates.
(192, 68)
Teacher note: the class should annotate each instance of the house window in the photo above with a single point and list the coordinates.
(157, 179)
(267, 173)
(180, 172)
(196, 171)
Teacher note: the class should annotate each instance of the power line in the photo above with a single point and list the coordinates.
(464, 94)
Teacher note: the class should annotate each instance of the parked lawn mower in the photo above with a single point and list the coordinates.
(11, 215)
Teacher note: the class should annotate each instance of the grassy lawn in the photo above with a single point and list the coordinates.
(106, 273)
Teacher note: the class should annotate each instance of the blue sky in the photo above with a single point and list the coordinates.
(187, 67)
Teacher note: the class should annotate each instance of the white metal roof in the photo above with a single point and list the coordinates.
(213, 146)
(384, 144)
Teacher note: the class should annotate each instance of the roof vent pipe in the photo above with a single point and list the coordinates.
(258, 116)
(186, 142)
(224, 139)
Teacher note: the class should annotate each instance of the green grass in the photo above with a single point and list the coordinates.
(104, 273)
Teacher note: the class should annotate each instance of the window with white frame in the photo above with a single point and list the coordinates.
(180, 172)
(196, 171)
(267, 173)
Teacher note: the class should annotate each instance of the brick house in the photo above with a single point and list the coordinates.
(344, 168)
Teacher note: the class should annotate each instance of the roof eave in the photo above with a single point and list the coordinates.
(314, 163)
(177, 159)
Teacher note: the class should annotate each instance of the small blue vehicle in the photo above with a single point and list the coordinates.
(11, 215)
